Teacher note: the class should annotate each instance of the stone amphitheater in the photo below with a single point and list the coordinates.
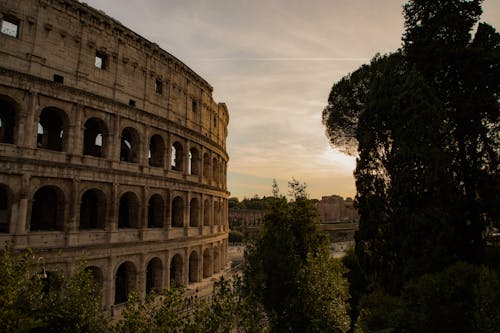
(111, 150)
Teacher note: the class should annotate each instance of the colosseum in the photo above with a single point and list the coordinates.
(111, 150)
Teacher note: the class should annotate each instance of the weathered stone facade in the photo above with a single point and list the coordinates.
(338, 217)
(334, 209)
(248, 221)
(111, 150)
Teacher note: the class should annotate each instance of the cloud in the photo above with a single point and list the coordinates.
(273, 63)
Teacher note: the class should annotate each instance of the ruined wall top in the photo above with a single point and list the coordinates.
(69, 42)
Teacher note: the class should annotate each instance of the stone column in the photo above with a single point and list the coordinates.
(74, 140)
(141, 278)
(185, 268)
(109, 283)
(143, 220)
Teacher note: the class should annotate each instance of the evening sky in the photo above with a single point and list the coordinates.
(273, 62)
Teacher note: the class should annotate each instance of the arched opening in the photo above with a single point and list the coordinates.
(206, 166)
(5, 203)
(156, 151)
(178, 212)
(194, 162)
(92, 209)
(51, 129)
(129, 147)
(176, 271)
(97, 277)
(194, 213)
(155, 211)
(128, 211)
(177, 156)
(93, 137)
(216, 259)
(206, 213)
(207, 263)
(7, 122)
(47, 212)
(193, 267)
(153, 276)
(124, 282)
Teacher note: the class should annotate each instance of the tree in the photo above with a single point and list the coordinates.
(32, 302)
(289, 269)
(425, 125)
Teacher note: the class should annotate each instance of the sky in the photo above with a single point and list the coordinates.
(273, 62)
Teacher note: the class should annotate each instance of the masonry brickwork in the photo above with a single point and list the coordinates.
(111, 150)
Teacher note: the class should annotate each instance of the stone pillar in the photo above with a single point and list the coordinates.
(74, 141)
(186, 213)
(141, 278)
(115, 144)
(112, 223)
(145, 209)
(31, 125)
(22, 214)
(168, 155)
(167, 270)
(185, 268)
(109, 283)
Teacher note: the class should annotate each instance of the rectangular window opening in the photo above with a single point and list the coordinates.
(101, 60)
(10, 27)
(131, 102)
(159, 87)
(194, 106)
(58, 78)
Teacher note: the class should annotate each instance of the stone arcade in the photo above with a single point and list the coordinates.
(111, 150)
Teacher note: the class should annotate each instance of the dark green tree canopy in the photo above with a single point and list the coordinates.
(424, 123)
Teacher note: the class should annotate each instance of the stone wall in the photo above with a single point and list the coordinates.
(111, 150)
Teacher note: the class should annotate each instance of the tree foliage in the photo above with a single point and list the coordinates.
(424, 121)
(462, 298)
(32, 302)
(289, 269)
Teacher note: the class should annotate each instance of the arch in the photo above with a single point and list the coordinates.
(125, 281)
(194, 213)
(155, 211)
(206, 213)
(207, 263)
(153, 275)
(206, 166)
(5, 202)
(176, 270)
(193, 267)
(177, 156)
(94, 137)
(215, 170)
(92, 209)
(194, 162)
(156, 151)
(177, 212)
(52, 129)
(128, 211)
(129, 145)
(7, 121)
(97, 277)
(47, 210)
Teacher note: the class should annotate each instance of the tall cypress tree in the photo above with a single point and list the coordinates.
(425, 123)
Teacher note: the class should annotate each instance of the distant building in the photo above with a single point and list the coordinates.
(340, 219)
(334, 209)
(248, 221)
